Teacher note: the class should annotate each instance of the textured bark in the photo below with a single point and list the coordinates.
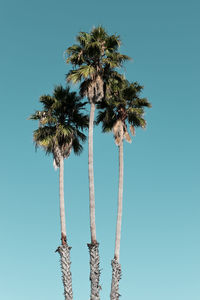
(94, 271)
(64, 251)
(62, 203)
(116, 276)
(91, 175)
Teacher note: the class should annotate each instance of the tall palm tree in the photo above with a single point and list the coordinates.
(61, 123)
(121, 106)
(94, 58)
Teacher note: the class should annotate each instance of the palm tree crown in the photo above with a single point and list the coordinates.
(60, 123)
(94, 57)
(122, 105)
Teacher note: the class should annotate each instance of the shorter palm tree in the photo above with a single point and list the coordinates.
(61, 123)
(121, 106)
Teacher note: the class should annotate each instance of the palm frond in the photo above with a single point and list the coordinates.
(84, 87)
(115, 59)
(87, 71)
(77, 147)
(36, 116)
(98, 33)
(81, 136)
(47, 101)
(134, 110)
(74, 76)
(83, 38)
(101, 116)
(143, 102)
(113, 42)
(136, 120)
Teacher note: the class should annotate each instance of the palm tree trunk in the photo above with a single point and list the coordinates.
(64, 249)
(116, 276)
(62, 203)
(116, 267)
(91, 175)
(94, 246)
(120, 198)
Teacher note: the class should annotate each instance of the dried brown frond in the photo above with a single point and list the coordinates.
(132, 130)
(118, 132)
(127, 137)
(95, 91)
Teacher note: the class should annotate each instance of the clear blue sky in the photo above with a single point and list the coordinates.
(160, 236)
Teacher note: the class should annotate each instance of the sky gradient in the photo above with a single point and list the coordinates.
(160, 243)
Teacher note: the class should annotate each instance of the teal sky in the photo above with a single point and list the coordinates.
(160, 232)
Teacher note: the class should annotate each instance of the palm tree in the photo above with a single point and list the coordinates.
(61, 123)
(122, 106)
(94, 58)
